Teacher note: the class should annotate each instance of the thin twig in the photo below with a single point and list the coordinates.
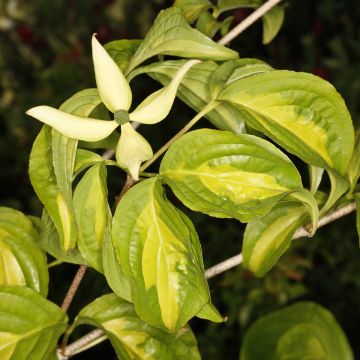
(73, 287)
(228, 264)
(257, 14)
(130, 181)
(301, 232)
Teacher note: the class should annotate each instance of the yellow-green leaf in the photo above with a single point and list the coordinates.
(299, 111)
(158, 250)
(131, 337)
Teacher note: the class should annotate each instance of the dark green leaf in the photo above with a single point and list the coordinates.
(301, 331)
(159, 251)
(132, 338)
(29, 324)
(22, 262)
(172, 35)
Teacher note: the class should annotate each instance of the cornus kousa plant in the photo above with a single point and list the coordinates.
(237, 166)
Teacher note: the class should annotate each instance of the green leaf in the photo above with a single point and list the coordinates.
(22, 262)
(273, 21)
(91, 211)
(299, 111)
(226, 5)
(226, 175)
(29, 324)
(208, 25)
(316, 175)
(132, 338)
(194, 91)
(85, 159)
(115, 277)
(159, 251)
(357, 201)
(353, 172)
(192, 8)
(51, 168)
(266, 239)
(122, 51)
(50, 242)
(301, 331)
(172, 35)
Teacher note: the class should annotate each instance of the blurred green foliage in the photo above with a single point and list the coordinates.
(45, 58)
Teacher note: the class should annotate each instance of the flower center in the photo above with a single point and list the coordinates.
(121, 117)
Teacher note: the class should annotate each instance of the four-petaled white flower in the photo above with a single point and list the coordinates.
(115, 93)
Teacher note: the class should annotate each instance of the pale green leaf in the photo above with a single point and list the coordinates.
(172, 35)
(267, 238)
(50, 242)
(29, 324)
(273, 21)
(192, 8)
(301, 331)
(159, 251)
(316, 175)
(115, 277)
(132, 338)
(194, 91)
(122, 50)
(22, 262)
(91, 212)
(85, 159)
(207, 24)
(226, 5)
(226, 175)
(299, 111)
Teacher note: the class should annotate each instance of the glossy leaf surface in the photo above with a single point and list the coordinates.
(29, 324)
(131, 337)
(268, 237)
(194, 91)
(159, 251)
(301, 331)
(22, 262)
(226, 175)
(172, 35)
(299, 111)
(91, 211)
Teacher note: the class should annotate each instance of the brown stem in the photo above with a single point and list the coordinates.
(73, 287)
(130, 181)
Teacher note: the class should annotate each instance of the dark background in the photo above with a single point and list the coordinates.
(45, 58)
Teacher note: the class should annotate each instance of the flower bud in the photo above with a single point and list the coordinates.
(158, 105)
(113, 88)
(132, 149)
(73, 126)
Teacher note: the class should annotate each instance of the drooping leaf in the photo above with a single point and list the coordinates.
(299, 111)
(226, 175)
(316, 175)
(266, 239)
(115, 277)
(301, 331)
(29, 324)
(172, 35)
(132, 338)
(51, 167)
(22, 262)
(194, 91)
(273, 21)
(192, 8)
(122, 50)
(226, 5)
(50, 242)
(159, 251)
(91, 211)
(353, 172)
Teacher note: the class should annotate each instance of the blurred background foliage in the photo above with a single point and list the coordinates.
(45, 58)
